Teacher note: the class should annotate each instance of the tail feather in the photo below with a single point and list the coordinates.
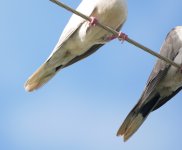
(126, 123)
(40, 77)
(130, 125)
(136, 117)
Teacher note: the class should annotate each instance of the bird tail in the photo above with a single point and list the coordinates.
(136, 117)
(41, 76)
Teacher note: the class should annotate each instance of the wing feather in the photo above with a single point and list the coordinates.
(160, 69)
(74, 23)
(93, 49)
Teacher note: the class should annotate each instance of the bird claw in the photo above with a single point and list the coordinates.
(93, 21)
(122, 36)
(111, 37)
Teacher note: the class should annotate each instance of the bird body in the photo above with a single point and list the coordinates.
(78, 40)
(164, 82)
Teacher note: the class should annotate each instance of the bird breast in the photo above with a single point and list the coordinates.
(111, 12)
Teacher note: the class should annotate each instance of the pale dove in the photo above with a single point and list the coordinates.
(80, 38)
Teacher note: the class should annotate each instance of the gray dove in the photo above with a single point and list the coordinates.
(164, 82)
(81, 38)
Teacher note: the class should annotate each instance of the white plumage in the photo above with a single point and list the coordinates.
(79, 39)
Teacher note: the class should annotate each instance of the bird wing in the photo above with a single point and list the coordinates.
(150, 99)
(170, 50)
(177, 50)
(90, 51)
(166, 99)
(74, 23)
(44, 73)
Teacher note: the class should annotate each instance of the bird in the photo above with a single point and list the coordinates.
(164, 82)
(80, 38)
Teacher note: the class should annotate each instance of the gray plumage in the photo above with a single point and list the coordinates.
(78, 39)
(164, 82)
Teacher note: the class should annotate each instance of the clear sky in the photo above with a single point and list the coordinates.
(85, 104)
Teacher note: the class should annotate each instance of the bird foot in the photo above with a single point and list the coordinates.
(122, 36)
(111, 37)
(93, 21)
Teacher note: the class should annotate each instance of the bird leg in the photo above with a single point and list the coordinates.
(93, 21)
(180, 69)
(111, 37)
(121, 36)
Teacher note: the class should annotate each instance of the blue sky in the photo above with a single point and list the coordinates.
(85, 104)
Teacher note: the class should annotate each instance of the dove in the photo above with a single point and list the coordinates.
(164, 82)
(80, 38)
